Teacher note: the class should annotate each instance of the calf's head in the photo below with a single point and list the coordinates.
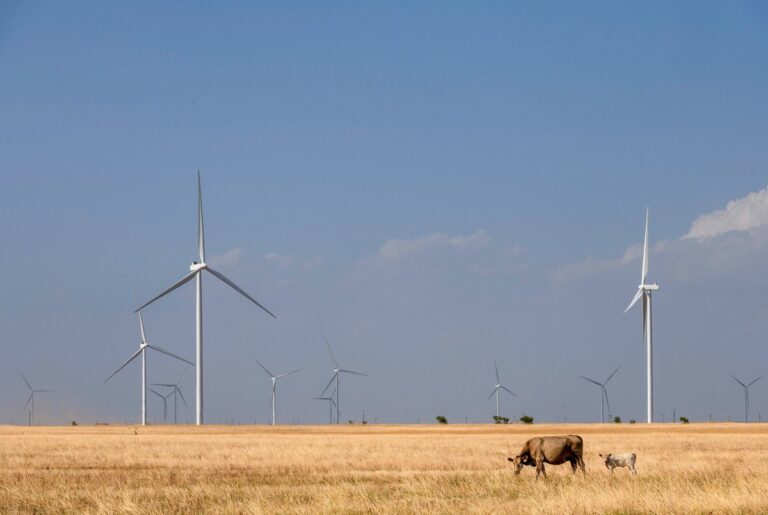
(606, 458)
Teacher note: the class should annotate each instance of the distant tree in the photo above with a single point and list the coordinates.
(617, 419)
(441, 419)
(684, 420)
(632, 421)
(500, 420)
(74, 423)
(526, 419)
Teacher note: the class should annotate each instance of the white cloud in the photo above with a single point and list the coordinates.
(739, 215)
(395, 250)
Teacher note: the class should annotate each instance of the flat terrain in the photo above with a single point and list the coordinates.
(697, 468)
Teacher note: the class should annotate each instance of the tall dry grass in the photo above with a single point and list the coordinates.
(705, 468)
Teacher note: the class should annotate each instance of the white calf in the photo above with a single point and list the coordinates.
(620, 460)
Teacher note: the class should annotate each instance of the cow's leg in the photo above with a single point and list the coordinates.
(574, 465)
(581, 464)
(540, 469)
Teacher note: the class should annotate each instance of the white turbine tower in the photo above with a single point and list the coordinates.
(337, 371)
(196, 272)
(143, 346)
(603, 393)
(331, 405)
(497, 390)
(274, 385)
(31, 398)
(746, 395)
(644, 291)
(176, 391)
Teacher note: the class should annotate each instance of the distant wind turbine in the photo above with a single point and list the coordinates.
(143, 346)
(165, 403)
(337, 371)
(603, 393)
(176, 391)
(644, 291)
(31, 399)
(274, 385)
(746, 395)
(497, 390)
(331, 405)
(196, 272)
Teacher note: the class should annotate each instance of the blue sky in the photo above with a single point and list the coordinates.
(431, 187)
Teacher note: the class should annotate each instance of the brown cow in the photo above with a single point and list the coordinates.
(554, 450)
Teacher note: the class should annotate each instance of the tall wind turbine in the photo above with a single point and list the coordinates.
(644, 291)
(196, 272)
(31, 399)
(337, 371)
(331, 405)
(746, 395)
(603, 393)
(165, 403)
(274, 384)
(496, 390)
(143, 346)
(176, 391)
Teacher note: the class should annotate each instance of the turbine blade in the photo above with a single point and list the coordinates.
(329, 384)
(289, 373)
(333, 357)
(164, 384)
(634, 299)
(171, 354)
(28, 401)
(497, 372)
(270, 374)
(508, 390)
(239, 290)
(178, 382)
(27, 382)
(141, 327)
(591, 381)
(352, 372)
(644, 275)
(753, 382)
(41, 391)
(611, 376)
(491, 395)
(735, 379)
(155, 392)
(181, 282)
(200, 226)
(607, 402)
(134, 356)
(182, 397)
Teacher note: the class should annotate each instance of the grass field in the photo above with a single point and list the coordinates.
(698, 468)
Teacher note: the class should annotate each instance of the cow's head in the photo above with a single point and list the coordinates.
(519, 461)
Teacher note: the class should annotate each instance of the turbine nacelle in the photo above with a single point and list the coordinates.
(196, 267)
(649, 287)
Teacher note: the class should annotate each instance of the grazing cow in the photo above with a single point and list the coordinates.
(554, 450)
(620, 460)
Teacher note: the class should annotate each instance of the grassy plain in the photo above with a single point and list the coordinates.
(697, 468)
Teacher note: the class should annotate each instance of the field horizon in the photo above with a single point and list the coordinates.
(682, 468)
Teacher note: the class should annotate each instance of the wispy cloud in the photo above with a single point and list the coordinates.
(739, 215)
(395, 250)
(230, 258)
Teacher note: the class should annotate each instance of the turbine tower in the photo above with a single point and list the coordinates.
(603, 393)
(337, 371)
(644, 291)
(331, 405)
(746, 395)
(196, 272)
(274, 384)
(497, 390)
(31, 399)
(143, 346)
(165, 403)
(176, 391)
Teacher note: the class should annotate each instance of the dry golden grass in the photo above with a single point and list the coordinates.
(699, 468)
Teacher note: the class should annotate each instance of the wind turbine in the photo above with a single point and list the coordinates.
(31, 399)
(165, 403)
(196, 272)
(143, 346)
(274, 384)
(496, 390)
(337, 371)
(331, 404)
(746, 395)
(603, 393)
(644, 290)
(175, 390)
